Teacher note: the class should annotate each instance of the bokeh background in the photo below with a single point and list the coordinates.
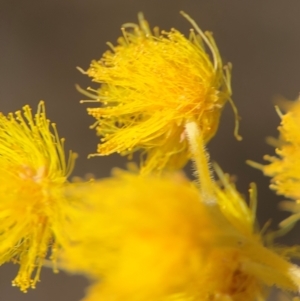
(41, 43)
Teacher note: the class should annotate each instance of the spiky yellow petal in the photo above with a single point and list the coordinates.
(33, 169)
(152, 84)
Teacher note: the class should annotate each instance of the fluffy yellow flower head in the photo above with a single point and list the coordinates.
(149, 238)
(33, 170)
(152, 83)
(285, 167)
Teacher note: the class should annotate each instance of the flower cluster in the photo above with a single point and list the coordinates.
(159, 239)
(284, 168)
(149, 233)
(152, 84)
(33, 171)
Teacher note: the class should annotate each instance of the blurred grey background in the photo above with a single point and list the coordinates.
(41, 43)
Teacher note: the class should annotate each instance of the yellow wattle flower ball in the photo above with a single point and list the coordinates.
(149, 238)
(33, 170)
(284, 168)
(152, 84)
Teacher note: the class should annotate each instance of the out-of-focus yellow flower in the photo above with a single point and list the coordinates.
(33, 169)
(152, 83)
(149, 238)
(285, 167)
